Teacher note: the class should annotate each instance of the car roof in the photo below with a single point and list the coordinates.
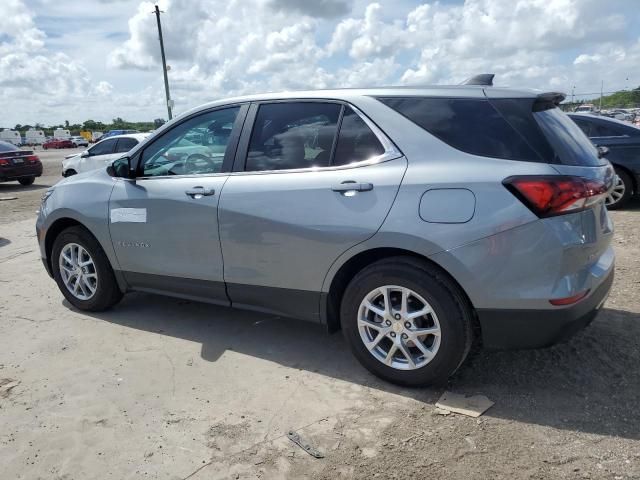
(470, 91)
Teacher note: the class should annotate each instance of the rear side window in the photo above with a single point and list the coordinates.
(356, 141)
(104, 148)
(511, 129)
(292, 135)
(125, 144)
(471, 125)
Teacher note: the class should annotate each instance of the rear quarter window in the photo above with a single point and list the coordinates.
(470, 125)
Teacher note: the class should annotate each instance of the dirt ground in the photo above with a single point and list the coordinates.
(169, 389)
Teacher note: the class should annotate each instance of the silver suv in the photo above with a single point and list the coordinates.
(417, 220)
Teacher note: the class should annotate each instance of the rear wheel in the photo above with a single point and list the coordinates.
(27, 181)
(621, 192)
(406, 322)
(82, 271)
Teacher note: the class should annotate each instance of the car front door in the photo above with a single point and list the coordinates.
(164, 224)
(314, 179)
(97, 155)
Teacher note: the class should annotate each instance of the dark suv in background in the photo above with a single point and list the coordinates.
(623, 142)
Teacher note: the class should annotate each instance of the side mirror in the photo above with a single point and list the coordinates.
(602, 151)
(120, 168)
(85, 154)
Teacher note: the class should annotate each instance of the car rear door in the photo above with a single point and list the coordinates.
(164, 224)
(312, 179)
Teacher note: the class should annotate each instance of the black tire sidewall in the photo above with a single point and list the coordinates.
(454, 322)
(27, 181)
(108, 291)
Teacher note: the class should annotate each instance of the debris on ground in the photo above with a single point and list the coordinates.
(457, 403)
(302, 443)
(4, 199)
(6, 385)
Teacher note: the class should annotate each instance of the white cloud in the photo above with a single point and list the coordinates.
(219, 48)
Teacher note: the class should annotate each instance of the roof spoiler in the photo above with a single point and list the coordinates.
(483, 79)
(554, 97)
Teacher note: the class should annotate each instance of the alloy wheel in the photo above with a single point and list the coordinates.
(616, 193)
(399, 327)
(78, 271)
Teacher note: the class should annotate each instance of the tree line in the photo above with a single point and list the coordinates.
(93, 126)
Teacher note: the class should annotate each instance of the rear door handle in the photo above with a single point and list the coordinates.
(351, 186)
(199, 192)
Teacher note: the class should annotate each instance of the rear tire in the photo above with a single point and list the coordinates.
(427, 289)
(91, 296)
(26, 181)
(622, 191)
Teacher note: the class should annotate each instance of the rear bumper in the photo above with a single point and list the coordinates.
(518, 329)
(15, 172)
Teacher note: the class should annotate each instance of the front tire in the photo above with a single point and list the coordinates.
(82, 271)
(26, 181)
(622, 191)
(70, 173)
(406, 322)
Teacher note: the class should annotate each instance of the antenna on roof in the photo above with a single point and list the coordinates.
(484, 79)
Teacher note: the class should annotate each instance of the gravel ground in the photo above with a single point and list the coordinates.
(163, 388)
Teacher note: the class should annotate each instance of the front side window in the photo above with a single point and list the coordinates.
(196, 146)
(125, 144)
(292, 135)
(103, 148)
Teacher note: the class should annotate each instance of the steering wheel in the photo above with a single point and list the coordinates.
(190, 164)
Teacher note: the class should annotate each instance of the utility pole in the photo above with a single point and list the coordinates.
(573, 90)
(601, 92)
(164, 65)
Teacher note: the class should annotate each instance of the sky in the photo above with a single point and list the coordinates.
(100, 59)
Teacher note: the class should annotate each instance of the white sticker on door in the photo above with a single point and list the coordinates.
(130, 215)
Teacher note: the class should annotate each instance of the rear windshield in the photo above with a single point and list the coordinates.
(7, 147)
(511, 129)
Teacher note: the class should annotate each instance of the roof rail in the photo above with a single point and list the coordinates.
(484, 79)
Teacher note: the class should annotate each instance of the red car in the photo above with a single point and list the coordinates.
(57, 143)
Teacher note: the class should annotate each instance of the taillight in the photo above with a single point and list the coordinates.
(32, 158)
(551, 195)
(4, 161)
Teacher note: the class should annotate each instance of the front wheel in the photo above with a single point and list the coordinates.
(82, 271)
(406, 322)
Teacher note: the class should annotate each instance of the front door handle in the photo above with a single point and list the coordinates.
(199, 192)
(351, 186)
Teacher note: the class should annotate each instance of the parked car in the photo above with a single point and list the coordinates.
(101, 154)
(57, 143)
(586, 108)
(623, 143)
(412, 218)
(17, 164)
(79, 142)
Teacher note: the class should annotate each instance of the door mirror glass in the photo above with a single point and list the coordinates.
(120, 168)
(85, 154)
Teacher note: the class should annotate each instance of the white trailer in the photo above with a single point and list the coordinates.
(95, 136)
(34, 137)
(61, 134)
(11, 136)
